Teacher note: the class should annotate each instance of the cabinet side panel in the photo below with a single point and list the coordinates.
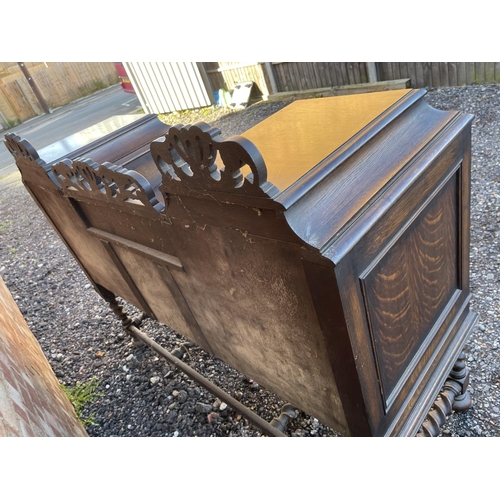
(328, 306)
(410, 284)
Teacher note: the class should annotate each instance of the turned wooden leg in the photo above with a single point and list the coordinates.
(453, 397)
(139, 319)
(460, 373)
(287, 413)
(125, 319)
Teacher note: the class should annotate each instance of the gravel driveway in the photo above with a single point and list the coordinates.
(141, 395)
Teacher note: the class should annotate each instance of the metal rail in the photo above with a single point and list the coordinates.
(262, 424)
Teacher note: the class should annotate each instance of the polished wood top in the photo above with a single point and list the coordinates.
(297, 138)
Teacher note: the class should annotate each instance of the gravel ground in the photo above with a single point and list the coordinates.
(141, 395)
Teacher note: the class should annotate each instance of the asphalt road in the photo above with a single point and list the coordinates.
(69, 121)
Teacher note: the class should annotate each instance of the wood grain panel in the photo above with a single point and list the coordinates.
(407, 288)
(364, 173)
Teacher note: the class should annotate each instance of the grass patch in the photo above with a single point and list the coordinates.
(80, 396)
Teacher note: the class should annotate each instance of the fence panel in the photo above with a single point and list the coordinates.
(225, 75)
(441, 74)
(292, 76)
(58, 82)
(167, 87)
(21, 105)
(288, 76)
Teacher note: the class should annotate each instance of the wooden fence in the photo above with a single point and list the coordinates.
(225, 75)
(59, 84)
(285, 76)
(291, 76)
(441, 74)
(276, 77)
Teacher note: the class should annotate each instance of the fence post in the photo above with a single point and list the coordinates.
(206, 81)
(35, 88)
(371, 70)
(270, 74)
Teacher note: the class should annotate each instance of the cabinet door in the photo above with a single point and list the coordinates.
(406, 292)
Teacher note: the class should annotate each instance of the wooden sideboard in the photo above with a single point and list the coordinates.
(323, 253)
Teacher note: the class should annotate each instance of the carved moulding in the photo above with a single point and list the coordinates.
(83, 177)
(21, 149)
(194, 162)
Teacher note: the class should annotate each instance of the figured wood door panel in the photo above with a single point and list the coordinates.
(410, 284)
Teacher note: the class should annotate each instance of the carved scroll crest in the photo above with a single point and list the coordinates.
(21, 149)
(192, 160)
(105, 182)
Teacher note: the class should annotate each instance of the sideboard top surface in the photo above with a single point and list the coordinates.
(297, 138)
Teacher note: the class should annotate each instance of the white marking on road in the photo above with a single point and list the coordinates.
(126, 103)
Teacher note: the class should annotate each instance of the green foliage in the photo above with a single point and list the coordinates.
(10, 123)
(81, 395)
(98, 85)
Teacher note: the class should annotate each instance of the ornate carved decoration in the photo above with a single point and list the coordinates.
(441, 409)
(87, 178)
(453, 397)
(460, 373)
(288, 412)
(192, 160)
(21, 149)
(117, 184)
